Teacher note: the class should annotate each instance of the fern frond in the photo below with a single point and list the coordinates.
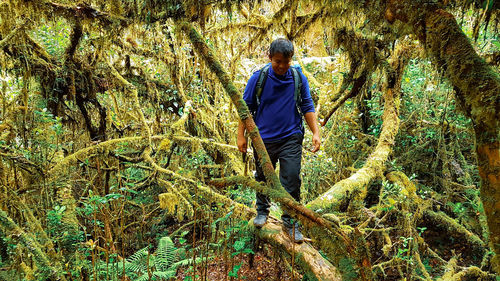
(144, 277)
(165, 254)
(137, 262)
(189, 261)
(164, 275)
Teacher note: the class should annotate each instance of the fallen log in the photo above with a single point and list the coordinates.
(305, 255)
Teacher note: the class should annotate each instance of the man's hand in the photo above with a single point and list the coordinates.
(241, 140)
(316, 141)
(312, 122)
(242, 143)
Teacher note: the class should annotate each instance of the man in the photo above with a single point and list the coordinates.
(277, 113)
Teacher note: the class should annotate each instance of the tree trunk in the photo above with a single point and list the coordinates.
(477, 88)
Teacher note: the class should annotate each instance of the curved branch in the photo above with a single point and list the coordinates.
(356, 89)
(342, 192)
(365, 56)
(309, 20)
(75, 36)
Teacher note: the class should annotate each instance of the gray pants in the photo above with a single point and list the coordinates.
(289, 153)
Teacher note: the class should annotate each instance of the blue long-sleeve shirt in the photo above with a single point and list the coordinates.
(277, 116)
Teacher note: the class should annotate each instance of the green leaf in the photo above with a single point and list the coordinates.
(239, 245)
(489, 4)
(165, 274)
(234, 271)
(496, 43)
(248, 251)
(129, 190)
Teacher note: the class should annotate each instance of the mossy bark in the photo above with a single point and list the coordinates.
(305, 255)
(59, 169)
(9, 37)
(69, 221)
(467, 273)
(343, 191)
(454, 229)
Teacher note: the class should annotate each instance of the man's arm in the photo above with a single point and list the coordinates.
(312, 122)
(307, 106)
(248, 97)
(241, 139)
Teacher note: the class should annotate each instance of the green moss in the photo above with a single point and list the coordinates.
(347, 267)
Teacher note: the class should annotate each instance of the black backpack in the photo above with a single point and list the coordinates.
(297, 79)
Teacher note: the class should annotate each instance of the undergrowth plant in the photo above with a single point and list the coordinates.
(144, 265)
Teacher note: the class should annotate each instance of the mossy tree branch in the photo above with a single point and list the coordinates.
(9, 37)
(358, 83)
(76, 35)
(365, 56)
(83, 11)
(276, 19)
(454, 229)
(342, 192)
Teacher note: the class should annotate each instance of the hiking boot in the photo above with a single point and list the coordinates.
(294, 233)
(260, 220)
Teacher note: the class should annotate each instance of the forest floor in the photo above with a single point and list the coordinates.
(266, 266)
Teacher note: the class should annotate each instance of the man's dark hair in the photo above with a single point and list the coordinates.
(282, 46)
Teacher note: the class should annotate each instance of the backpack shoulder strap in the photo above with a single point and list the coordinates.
(260, 84)
(297, 79)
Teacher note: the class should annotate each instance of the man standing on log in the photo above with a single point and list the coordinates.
(278, 96)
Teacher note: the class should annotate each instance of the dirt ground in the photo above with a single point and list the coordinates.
(266, 266)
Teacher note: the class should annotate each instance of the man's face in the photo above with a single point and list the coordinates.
(280, 63)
